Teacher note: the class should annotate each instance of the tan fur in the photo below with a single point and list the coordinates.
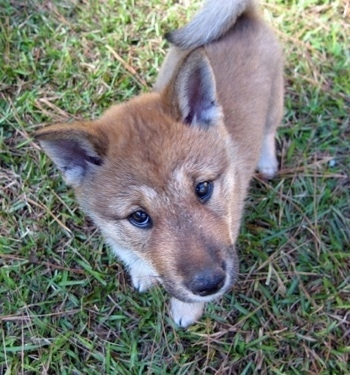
(211, 118)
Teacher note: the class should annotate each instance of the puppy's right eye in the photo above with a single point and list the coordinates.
(140, 219)
(204, 191)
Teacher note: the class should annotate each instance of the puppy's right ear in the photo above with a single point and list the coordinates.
(77, 149)
(191, 95)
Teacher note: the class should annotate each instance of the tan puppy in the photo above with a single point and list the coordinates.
(164, 176)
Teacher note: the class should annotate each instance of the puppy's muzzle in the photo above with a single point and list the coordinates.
(207, 282)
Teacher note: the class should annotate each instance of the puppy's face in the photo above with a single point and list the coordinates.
(157, 175)
(164, 191)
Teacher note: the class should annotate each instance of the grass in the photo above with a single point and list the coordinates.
(66, 306)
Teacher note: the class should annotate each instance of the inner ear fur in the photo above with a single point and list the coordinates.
(191, 95)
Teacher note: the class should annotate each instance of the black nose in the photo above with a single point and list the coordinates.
(207, 282)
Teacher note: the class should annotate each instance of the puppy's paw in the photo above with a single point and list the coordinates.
(268, 166)
(184, 314)
(142, 277)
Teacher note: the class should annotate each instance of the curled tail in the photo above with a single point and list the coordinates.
(212, 21)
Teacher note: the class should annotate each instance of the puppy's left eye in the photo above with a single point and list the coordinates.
(204, 191)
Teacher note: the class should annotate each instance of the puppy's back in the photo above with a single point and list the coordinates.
(248, 68)
(247, 63)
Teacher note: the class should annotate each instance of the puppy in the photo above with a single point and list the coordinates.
(164, 176)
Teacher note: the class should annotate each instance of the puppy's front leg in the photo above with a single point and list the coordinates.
(142, 276)
(185, 314)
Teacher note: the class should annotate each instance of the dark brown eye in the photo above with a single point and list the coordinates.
(204, 191)
(140, 219)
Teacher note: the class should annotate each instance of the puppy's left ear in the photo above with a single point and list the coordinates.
(191, 94)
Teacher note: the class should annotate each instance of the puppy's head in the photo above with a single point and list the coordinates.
(157, 176)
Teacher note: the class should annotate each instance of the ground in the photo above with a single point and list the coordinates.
(66, 304)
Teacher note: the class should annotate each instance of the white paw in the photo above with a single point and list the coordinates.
(142, 277)
(268, 166)
(268, 173)
(184, 314)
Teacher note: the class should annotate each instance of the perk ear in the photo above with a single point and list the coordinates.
(76, 148)
(191, 94)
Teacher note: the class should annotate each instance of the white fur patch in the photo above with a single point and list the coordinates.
(185, 314)
(268, 164)
(148, 192)
(143, 276)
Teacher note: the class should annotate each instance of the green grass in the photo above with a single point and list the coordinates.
(66, 306)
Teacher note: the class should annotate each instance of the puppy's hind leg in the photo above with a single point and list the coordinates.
(268, 164)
